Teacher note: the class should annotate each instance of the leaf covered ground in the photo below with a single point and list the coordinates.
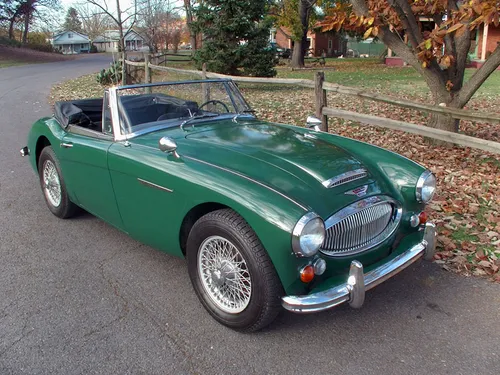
(466, 207)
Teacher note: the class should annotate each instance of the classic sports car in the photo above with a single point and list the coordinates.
(267, 215)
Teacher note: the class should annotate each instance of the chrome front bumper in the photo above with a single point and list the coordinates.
(358, 282)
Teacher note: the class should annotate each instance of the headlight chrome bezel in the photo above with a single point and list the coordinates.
(298, 232)
(421, 183)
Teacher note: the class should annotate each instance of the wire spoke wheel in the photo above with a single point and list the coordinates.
(224, 274)
(51, 183)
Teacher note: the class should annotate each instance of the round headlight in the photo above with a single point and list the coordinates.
(308, 235)
(426, 187)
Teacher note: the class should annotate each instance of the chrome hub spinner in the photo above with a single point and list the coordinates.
(224, 274)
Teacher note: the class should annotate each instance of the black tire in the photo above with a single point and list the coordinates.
(65, 208)
(266, 289)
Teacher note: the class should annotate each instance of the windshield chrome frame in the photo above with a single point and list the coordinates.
(114, 104)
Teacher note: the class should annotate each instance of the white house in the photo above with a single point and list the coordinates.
(70, 42)
(109, 41)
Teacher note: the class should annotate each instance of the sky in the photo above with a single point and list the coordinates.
(124, 5)
(60, 14)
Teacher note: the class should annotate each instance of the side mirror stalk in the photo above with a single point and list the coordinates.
(314, 123)
(168, 146)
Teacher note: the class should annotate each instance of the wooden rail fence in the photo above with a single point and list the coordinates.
(323, 111)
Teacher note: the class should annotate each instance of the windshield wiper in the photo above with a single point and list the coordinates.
(205, 115)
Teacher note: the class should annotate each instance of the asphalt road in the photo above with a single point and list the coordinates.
(80, 297)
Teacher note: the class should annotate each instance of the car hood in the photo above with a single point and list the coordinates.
(284, 158)
(307, 158)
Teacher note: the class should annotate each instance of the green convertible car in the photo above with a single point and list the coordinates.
(269, 216)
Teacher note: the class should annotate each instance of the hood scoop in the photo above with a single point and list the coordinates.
(344, 178)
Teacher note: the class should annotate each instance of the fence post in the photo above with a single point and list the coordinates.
(147, 72)
(128, 73)
(320, 99)
(147, 69)
(204, 86)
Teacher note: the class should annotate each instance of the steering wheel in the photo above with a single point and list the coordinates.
(215, 102)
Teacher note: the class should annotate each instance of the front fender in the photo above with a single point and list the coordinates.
(45, 128)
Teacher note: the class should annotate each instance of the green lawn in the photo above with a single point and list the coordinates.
(372, 74)
(7, 63)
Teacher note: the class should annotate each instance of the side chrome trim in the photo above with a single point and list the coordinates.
(248, 179)
(155, 186)
(344, 178)
(356, 285)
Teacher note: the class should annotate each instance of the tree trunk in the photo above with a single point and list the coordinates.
(442, 97)
(11, 28)
(443, 122)
(189, 20)
(297, 55)
(28, 13)
(122, 42)
(300, 46)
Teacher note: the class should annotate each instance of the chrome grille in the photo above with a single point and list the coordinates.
(360, 226)
(344, 178)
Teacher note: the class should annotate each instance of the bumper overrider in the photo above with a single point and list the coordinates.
(358, 282)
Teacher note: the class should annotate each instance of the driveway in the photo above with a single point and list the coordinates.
(80, 297)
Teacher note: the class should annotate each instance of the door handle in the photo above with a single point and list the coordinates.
(66, 145)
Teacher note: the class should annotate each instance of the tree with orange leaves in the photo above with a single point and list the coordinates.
(439, 55)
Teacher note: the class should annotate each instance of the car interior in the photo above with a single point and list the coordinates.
(85, 113)
(134, 110)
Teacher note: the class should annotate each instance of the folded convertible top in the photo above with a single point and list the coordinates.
(71, 112)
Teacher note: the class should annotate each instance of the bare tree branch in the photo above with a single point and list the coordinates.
(478, 78)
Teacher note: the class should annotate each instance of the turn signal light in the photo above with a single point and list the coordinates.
(423, 217)
(307, 274)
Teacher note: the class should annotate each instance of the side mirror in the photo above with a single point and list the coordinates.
(168, 146)
(314, 123)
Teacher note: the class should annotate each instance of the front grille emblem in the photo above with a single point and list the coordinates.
(359, 191)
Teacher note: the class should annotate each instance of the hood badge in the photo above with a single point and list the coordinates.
(359, 191)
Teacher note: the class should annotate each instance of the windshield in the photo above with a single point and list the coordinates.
(151, 107)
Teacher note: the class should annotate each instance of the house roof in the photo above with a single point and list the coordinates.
(82, 36)
(114, 35)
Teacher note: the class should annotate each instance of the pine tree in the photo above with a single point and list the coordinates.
(235, 37)
(72, 22)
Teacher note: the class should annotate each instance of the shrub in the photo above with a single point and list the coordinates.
(4, 41)
(93, 49)
(43, 47)
(111, 75)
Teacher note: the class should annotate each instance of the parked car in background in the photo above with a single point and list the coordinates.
(269, 216)
(284, 53)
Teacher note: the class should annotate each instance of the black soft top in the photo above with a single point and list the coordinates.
(75, 111)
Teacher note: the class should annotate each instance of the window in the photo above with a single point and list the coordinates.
(70, 35)
(330, 44)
